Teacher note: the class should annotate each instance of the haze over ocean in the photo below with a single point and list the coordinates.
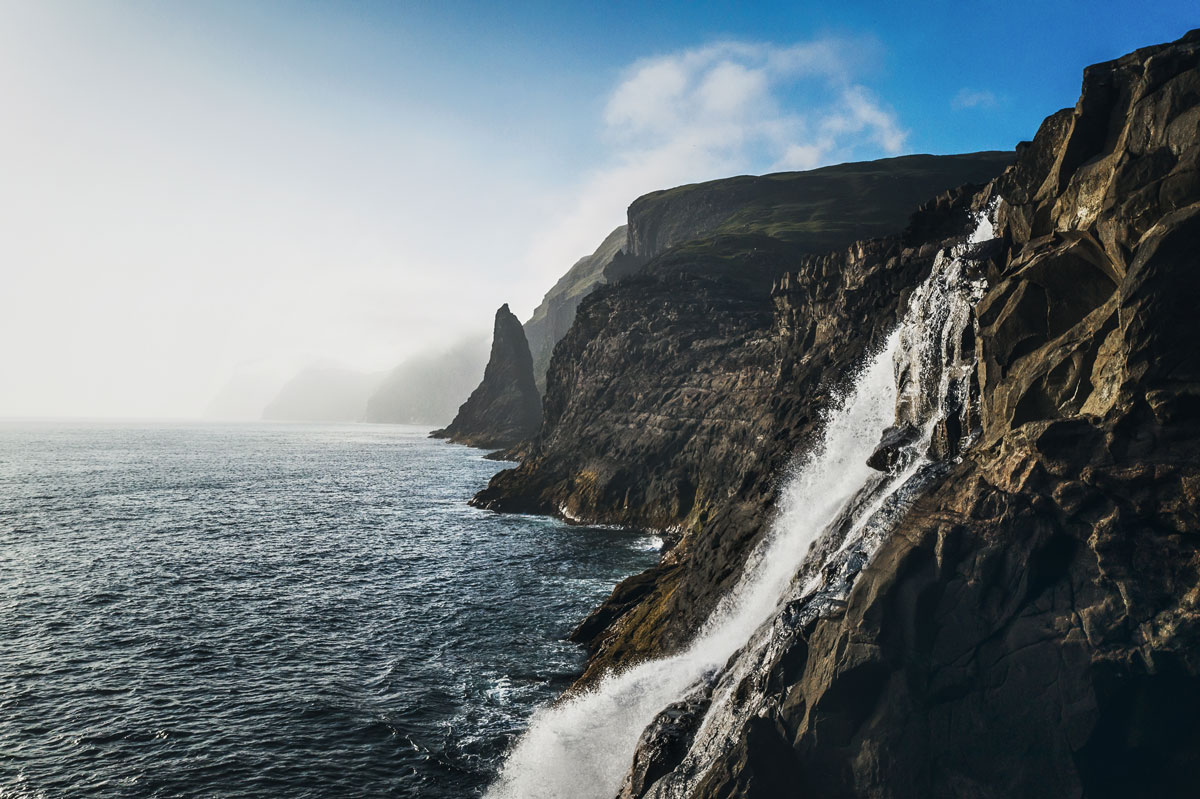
(200, 195)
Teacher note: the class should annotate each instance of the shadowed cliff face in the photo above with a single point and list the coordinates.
(506, 408)
(553, 317)
(681, 393)
(1030, 626)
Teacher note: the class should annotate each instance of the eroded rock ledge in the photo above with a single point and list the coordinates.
(680, 394)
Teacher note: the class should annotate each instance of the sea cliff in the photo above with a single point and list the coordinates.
(1029, 625)
(813, 211)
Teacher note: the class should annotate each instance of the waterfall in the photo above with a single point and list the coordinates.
(834, 511)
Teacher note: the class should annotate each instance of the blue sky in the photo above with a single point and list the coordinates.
(552, 63)
(197, 190)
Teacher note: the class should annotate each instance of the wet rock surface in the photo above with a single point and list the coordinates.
(506, 408)
(684, 405)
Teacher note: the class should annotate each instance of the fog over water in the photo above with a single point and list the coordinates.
(207, 199)
(204, 194)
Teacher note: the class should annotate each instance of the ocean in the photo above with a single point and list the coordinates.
(275, 610)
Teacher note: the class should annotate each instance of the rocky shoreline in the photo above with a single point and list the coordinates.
(1030, 626)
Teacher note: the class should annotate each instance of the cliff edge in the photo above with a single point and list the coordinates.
(1029, 625)
(813, 211)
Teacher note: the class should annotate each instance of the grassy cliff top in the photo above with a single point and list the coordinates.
(822, 209)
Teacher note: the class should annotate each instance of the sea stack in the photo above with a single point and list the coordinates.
(506, 408)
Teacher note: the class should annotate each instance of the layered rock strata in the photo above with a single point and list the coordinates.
(815, 211)
(680, 396)
(552, 318)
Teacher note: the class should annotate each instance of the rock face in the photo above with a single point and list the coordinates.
(815, 211)
(685, 401)
(506, 408)
(1031, 626)
(553, 317)
(681, 393)
(822, 209)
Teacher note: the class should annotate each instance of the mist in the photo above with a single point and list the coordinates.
(429, 388)
(202, 201)
(182, 199)
(323, 394)
(424, 389)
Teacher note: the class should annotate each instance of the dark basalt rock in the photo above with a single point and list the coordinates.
(893, 454)
(677, 399)
(506, 408)
(665, 742)
(553, 317)
(680, 393)
(815, 211)
(1032, 627)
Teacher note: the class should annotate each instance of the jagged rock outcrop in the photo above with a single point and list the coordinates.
(680, 395)
(1031, 628)
(506, 408)
(688, 405)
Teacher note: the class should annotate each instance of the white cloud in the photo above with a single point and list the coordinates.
(723, 109)
(972, 98)
(649, 100)
(730, 89)
(801, 157)
(860, 113)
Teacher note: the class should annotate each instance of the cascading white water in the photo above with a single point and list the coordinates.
(583, 747)
(932, 381)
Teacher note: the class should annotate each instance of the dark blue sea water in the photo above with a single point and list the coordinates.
(274, 611)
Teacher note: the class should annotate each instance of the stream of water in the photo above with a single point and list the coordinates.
(834, 506)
